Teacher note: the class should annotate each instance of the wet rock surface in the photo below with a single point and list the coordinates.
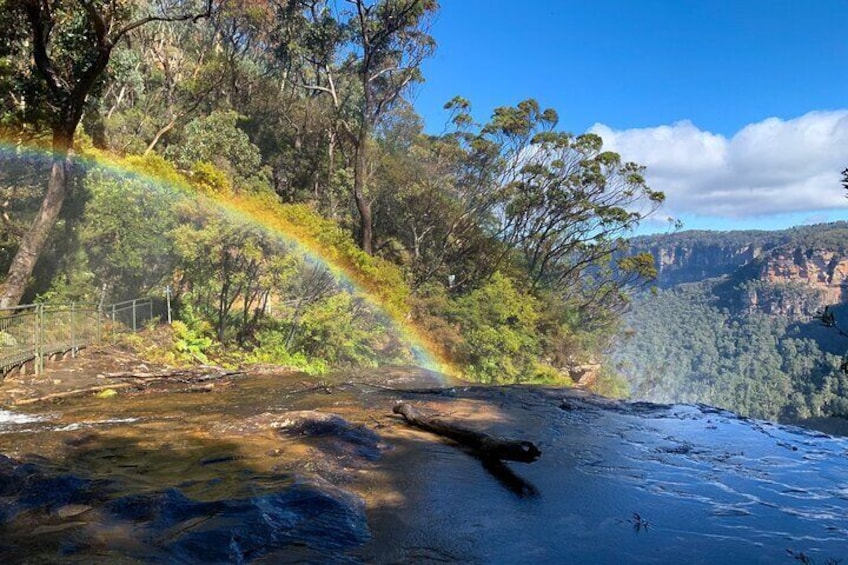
(305, 520)
(334, 434)
(72, 517)
(276, 470)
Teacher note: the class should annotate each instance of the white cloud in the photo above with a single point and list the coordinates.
(770, 167)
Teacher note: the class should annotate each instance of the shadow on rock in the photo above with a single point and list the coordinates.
(333, 434)
(112, 499)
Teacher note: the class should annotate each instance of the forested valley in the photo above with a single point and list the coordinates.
(243, 153)
(749, 321)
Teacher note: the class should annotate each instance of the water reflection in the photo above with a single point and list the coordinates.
(268, 470)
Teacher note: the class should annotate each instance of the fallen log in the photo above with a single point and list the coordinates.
(487, 446)
(179, 375)
(69, 393)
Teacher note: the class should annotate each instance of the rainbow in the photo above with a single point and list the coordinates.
(275, 219)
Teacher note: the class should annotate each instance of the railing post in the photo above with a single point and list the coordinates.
(134, 313)
(168, 302)
(35, 340)
(38, 361)
(73, 330)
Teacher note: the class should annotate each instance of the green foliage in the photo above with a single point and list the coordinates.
(153, 166)
(498, 324)
(379, 277)
(543, 374)
(610, 383)
(208, 179)
(216, 139)
(682, 345)
(189, 344)
(337, 330)
(125, 232)
(76, 284)
(273, 349)
(226, 268)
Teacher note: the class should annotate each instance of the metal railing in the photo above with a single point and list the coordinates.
(129, 315)
(33, 332)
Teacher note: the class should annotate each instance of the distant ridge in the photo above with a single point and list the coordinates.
(814, 255)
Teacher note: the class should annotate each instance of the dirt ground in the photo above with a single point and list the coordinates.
(93, 368)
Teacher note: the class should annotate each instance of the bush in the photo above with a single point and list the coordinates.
(272, 349)
(499, 327)
(189, 344)
(334, 330)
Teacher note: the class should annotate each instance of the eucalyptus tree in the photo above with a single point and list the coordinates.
(70, 44)
(392, 40)
(560, 205)
(428, 218)
(364, 55)
(155, 84)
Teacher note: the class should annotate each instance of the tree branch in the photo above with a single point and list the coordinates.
(40, 37)
(181, 18)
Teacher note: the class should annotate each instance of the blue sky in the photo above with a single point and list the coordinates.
(738, 108)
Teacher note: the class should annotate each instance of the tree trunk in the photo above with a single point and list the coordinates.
(23, 264)
(331, 166)
(487, 446)
(363, 205)
(162, 131)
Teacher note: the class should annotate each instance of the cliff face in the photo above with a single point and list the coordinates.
(791, 273)
(822, 270)
(684, 263)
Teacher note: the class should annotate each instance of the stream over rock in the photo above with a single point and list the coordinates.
(272, 469)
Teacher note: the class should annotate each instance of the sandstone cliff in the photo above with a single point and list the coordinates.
(790, 273)
(820, 269)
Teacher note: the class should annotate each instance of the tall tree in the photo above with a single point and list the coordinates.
(70, 43)
(392, 41)
(561, 206)
(380, 46)
(427, 216)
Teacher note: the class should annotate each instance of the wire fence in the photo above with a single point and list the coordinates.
(33, 332)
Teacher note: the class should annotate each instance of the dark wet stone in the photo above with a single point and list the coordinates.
(221, 459)
(317, 520)
(27, 487)
(161, 509)
(60, 490)
(681, 449)
(346, 438)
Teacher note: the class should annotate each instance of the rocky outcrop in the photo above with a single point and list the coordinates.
(791, 273)
(691, 263)
(794, 300)
(693, 256)
(822, 270)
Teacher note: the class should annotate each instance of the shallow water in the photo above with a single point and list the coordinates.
(707, 488)
(236, 476)
(9, 419)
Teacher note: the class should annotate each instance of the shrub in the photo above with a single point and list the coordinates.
(189, 344)
(499, 327)
(272, 349)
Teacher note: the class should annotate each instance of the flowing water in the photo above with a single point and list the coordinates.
(275, 469)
